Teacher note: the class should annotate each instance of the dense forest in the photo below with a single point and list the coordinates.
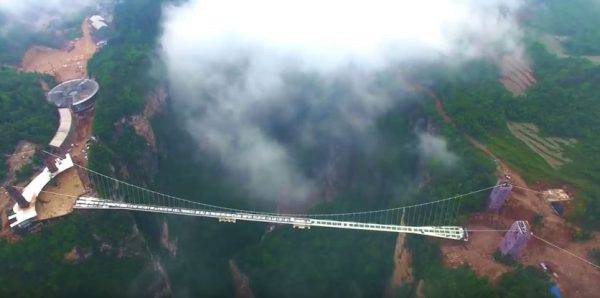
(576, 21)
(26, 114)
(123, 71)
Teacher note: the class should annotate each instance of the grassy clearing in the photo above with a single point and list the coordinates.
(551, 149)
(519, 156)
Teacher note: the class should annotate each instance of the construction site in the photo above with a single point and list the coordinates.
(74, 98)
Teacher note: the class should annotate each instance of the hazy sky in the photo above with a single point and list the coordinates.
(249, 78)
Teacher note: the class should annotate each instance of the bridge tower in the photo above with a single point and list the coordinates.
(515, 239)
(499, 196)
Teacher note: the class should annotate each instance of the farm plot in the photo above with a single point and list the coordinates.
(551, 149)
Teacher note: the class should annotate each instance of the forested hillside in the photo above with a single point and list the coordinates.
(123, 72)
(575, 21)
(26, 115)
(95, 254)
(564, 103)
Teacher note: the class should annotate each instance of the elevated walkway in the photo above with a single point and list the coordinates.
(449, 232)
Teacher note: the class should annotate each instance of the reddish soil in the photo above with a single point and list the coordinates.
(52, 202)
(155, 102)
(517, 75)
(81, 137)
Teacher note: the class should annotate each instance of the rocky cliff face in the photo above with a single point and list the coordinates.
(241, 281)
(165, 241)
(402, 267)
(155, 103)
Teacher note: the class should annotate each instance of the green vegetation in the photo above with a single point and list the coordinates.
(122, 70)
(288, 263)
(24, 173)
(505, 259)
(285, 262)
(524, 282)
(538, 220)
(582, 235)
(35, 266)
(204, 246)
(26, 114)
(439, 280)
(320, 262)
(577, 20)
(563, 104)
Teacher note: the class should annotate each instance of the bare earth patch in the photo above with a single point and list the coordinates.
(554, 46)
(64, 65)
(155, 102)
(516, 76)
(20, 157)
(52, 202)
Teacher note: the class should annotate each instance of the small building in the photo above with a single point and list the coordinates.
(64, 128)
(515, 239)
(97, 22)
(499, 195)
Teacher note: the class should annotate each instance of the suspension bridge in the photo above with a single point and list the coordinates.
(435, 219)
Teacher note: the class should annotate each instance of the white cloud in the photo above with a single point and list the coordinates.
(36, 15)
(249, 75)
(435, 148)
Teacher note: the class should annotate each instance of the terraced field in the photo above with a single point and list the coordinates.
(551, 149)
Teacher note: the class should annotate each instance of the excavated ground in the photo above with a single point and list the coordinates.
(575, 278)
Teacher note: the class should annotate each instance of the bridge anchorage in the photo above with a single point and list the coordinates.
(435, 219)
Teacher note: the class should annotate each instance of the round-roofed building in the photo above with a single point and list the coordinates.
(77, 94)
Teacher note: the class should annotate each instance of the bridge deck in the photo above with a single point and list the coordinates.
(450, 232)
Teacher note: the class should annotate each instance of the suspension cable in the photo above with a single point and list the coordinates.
(565, 251)
(269, 213)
